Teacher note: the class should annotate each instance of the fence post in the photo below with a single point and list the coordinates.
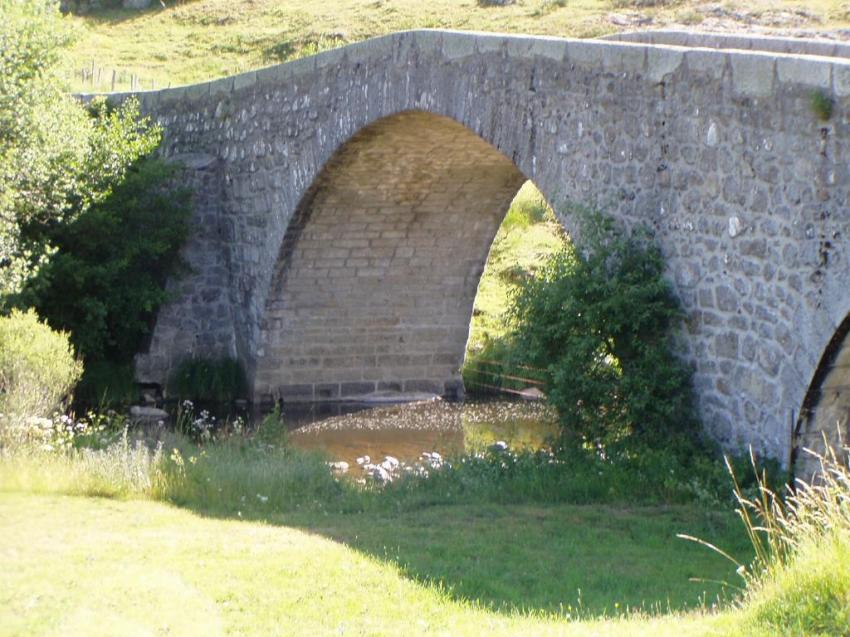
(113, 80)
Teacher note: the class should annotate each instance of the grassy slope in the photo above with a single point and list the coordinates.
(203, 39)
(527, 236)
(138, 567)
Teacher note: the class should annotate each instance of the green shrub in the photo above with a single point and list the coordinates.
(599, 319)
(107, 280)
(208, 380)
(57, 156)
(38, 369)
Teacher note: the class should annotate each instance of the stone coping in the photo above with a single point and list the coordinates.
(744, 42)
(755, 73)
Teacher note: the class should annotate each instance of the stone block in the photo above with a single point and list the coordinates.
(424, 385)
(806, 71)
(550, 48)
(245, 80)
(296, 393)
(841, 77)
(628, 58)
(490, 43)
(456, 45)
(726, 345)
(326, 391)
(662, 61)
(351, 389)
(753, 73)
(710, 63)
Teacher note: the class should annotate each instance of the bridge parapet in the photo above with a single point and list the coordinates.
(718, 150)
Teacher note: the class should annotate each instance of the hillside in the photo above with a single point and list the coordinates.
(190, 41)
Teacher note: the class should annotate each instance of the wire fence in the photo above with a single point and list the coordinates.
(494, 377)
(99, 78)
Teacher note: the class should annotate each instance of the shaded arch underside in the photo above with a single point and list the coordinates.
(379, 268)
(825, 414)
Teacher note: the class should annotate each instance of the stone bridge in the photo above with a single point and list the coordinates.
(346, 203)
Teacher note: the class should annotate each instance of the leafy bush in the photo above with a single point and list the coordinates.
(56, 159)
(208, 380)
(88, 231)
(599, 318)
(38, 369)
(107, 279)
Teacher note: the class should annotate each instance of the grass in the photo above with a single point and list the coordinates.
(203, 39)
(135, 567)
(529, 234)
(243, 538)
(800, 577)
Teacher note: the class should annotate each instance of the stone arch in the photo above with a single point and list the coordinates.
(716, 149)
(825, 413)
(379, 267)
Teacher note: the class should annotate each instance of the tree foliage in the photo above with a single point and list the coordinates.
(89, 227)
(107, 278)
(57, 156)
(599, 319)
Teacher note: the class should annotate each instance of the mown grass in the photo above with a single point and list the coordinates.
(203, 39)
(499, 528)
(77, 565)
(260, 539)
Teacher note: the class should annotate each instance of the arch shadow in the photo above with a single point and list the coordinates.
(378, 269)
(824, 417)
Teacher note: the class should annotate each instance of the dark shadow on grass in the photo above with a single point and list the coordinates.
(119, 15)
(581, 560)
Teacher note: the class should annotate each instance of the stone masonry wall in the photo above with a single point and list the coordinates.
(199, 322)
(718, 151)
(379, 269)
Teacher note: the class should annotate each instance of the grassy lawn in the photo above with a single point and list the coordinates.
(138, 567)
(203, 39)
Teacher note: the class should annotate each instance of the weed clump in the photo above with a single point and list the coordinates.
(822, 105)
(801, 573)
(219, 380)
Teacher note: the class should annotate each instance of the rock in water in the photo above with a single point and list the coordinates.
(138, 412)
(390, 463)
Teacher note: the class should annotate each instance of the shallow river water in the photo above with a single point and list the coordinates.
(405, 431)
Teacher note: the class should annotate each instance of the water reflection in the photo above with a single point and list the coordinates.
(406, 431)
